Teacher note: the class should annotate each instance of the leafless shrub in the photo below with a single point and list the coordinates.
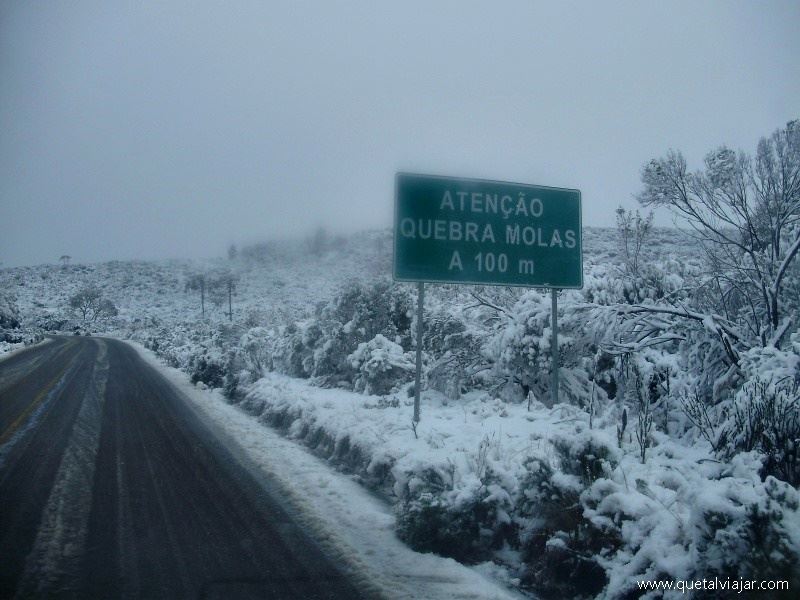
(765, 417)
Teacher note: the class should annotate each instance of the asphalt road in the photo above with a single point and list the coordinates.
(111, 487)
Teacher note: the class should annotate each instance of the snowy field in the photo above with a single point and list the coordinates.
(655, 465)
(487, 451)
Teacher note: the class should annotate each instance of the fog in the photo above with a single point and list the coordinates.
(171, 129)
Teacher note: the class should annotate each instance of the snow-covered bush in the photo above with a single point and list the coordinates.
(207, 369)
(521, 347)
(706, 367)
(765, 417)
(380, 365)
(461, 512)
(202, 349)
(293, 349)
(365, 311)
(561, 548)
(466, 524)
(656, 280)
(50, 321)
(454, 348)
(772, 365)
(286, 351)
(332, 367)
(326, 346)
(163, 344)
(9, 313)
(745, 529)
(254, 346)
(686, 519)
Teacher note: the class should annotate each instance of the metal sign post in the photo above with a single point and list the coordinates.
(418, 380)
(554, 345)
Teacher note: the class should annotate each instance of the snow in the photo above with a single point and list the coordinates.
(658, 509)
(356, 527)
(62, 533)
(8, 350)
(479, 457)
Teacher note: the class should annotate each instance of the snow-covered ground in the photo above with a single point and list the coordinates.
(656, 464)
(355, 527)
(7, 350)
(482, 447)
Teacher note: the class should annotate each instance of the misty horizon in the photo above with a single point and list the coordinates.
(174, 130)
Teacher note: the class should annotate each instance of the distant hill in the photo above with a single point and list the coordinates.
(277, 282)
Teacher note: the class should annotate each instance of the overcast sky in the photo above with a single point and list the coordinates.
(171, 129)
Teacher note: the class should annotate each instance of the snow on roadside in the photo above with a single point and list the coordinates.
(349, 521)
(654, 516)
(7, 350)
(458, 439)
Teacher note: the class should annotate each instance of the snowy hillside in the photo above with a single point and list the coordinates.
(660, 462)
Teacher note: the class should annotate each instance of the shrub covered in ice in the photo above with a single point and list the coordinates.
(454, 347)
(521, 347)
(746, 529)
(319, 346)
(765, 418)
(9, 313)
(687, 521)
(467, 523)
(380, 365)
(207, 369)
(560, 546)
(771, 365)
(255, 345)
(464, 512)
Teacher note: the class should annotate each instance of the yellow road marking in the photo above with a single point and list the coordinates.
(11, 430)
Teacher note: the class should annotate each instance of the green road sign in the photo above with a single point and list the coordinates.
(450, 230)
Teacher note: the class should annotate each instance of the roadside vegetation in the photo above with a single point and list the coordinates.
(675, 450)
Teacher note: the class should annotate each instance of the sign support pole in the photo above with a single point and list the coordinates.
(418, 380)
(554, 345)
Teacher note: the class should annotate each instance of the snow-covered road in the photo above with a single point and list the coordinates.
(111, 487)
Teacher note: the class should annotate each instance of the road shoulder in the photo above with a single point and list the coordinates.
(353, 526)
(24, 348)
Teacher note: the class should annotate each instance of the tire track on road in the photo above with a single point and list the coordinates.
(13, 411)
(31, 457)
(53, 563)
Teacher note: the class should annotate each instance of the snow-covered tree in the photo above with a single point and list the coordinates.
(9, 313)
(222, 286)
(638, 277)
(89, 303)
(197, 282)
(745, 213)
(380, 364)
